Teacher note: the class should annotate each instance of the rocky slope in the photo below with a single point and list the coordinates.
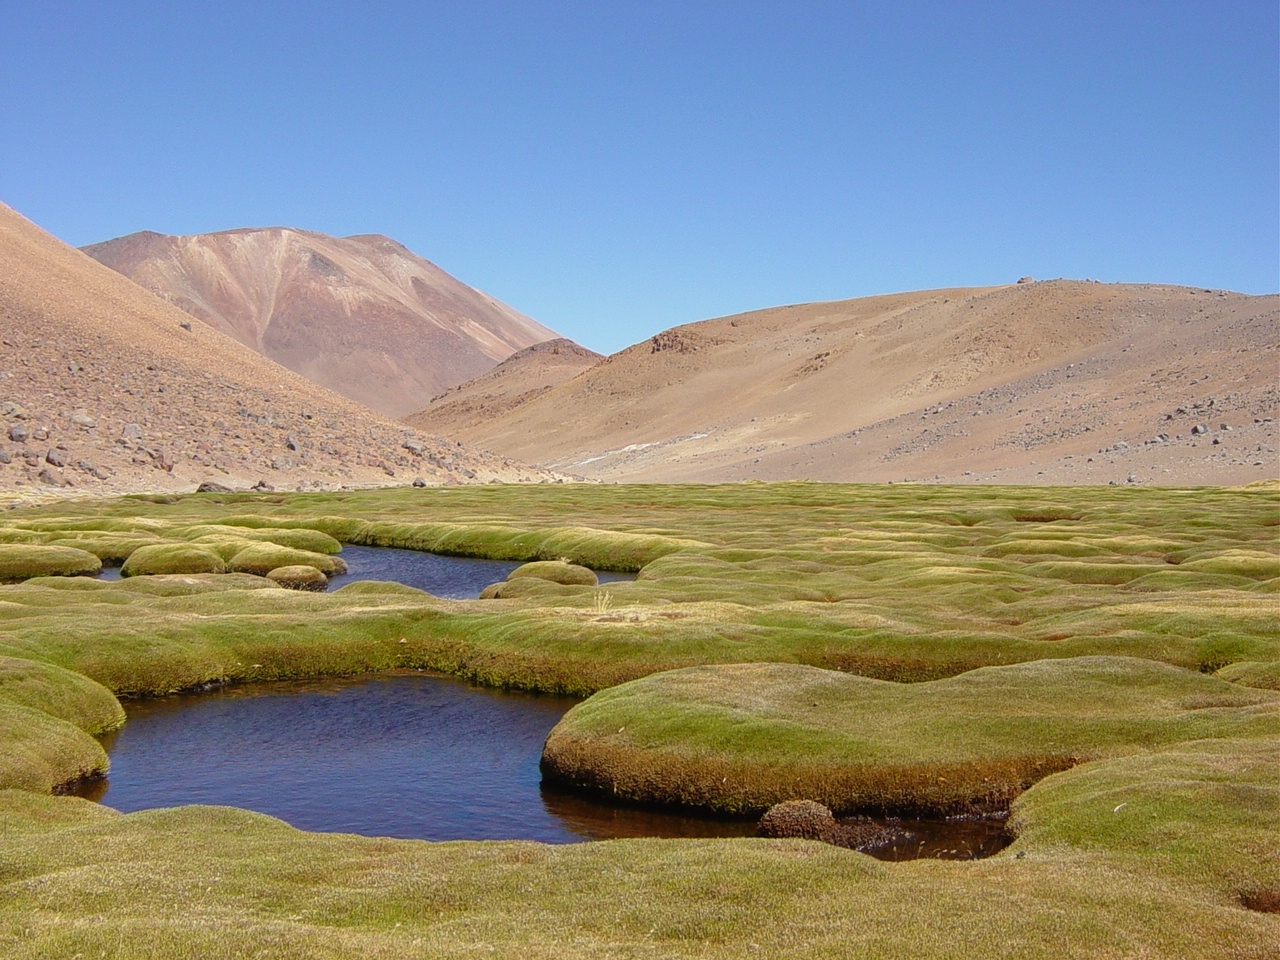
(361, 315)
(1052, 382)
(105, 388)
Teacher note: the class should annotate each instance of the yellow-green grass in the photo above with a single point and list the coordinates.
(890, 582)
(738, 739)
(557, 571)
(1208, 809)
(169, 558)
(902, 583)
(1250, 673)
(110, 548)
(297, 539)
(20, 561)
(261, 558)
(60, 693)
(298, 577)
(48, 717)
(1162, 877)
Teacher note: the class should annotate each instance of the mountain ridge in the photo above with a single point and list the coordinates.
(1034, 382)
(105, 388)
(361, 315)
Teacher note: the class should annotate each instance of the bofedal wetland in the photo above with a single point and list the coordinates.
(1103, 663)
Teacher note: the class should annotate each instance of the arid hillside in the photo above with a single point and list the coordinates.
(106, 388)
(1051, 382)
(362, 316)
(511, 384)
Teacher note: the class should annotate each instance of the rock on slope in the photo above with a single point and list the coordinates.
(361, 315)
(106, 388)
(1053, 382)
(514, 382)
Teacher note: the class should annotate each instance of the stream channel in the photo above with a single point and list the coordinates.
(410, 754)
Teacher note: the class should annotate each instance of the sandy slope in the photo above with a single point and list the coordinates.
(361, 315)
(1052, 382)
(517, 380)
(106, 388)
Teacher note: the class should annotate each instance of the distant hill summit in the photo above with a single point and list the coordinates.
(360, 315)
(106, 388)
(517, 380)
(1035, 382)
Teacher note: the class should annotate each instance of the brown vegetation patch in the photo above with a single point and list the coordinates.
(1263, 900)
(807, 820)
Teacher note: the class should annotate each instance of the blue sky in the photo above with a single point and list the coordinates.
(613, 169)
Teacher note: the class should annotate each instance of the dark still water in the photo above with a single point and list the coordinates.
(407, 755)
(411, 755)
(456, 578)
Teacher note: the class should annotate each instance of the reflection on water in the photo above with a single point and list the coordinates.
(403, 755)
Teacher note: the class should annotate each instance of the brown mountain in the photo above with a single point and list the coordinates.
(104, 388)
(1053, 382)
(361, 315)
(517, 380)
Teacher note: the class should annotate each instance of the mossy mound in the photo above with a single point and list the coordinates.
(531, 587)
(300, 538)
(110, 548)
(1241, 563)
(1208, 809)
(43, 753)
(738, 739)
(1253, 673)
(48, 719)
(192, 584)
(262, 558)
(299, 577)
(60, 693)
(557, 571)
(22, 561)
(806, 820)
(167, 558)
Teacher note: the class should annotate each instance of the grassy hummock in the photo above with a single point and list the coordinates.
(261, 558)
(1250, 673)
(21, 561)
(48, 720)
(60, 693)
(557, 571)
(169, 558)
(738, 739)
(299, 577)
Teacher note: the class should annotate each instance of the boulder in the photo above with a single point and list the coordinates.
(212, 486)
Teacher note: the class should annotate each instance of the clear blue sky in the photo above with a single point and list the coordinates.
(613, 169)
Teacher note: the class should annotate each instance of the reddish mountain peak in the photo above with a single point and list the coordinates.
(362, 315)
